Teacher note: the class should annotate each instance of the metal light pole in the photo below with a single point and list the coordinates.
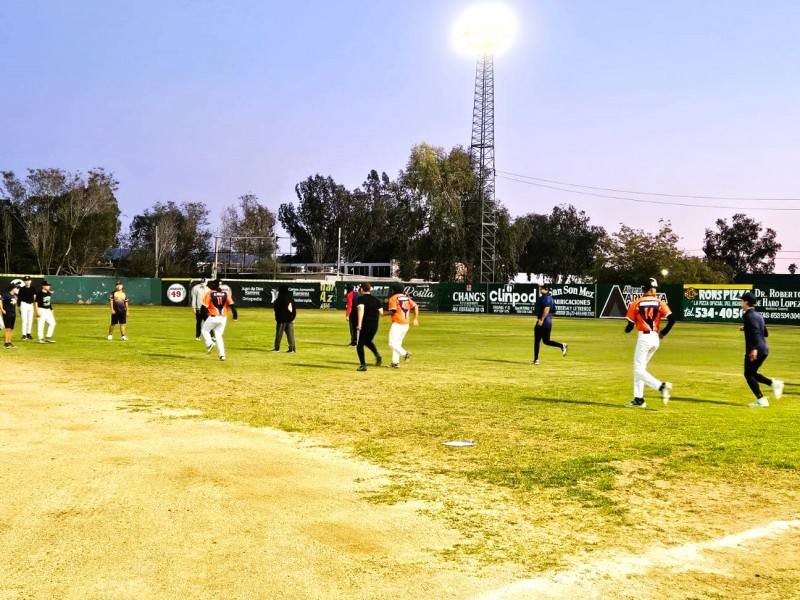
(485, 30)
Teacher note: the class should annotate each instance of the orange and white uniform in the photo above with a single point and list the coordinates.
(401, 306)
(645, 313)
(216, 303)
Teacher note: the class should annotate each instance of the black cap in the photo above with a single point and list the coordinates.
(26, 278)
(202, 280)
(650, 283)
(349, 287)
(545, 286)
(397, 287)
(119, 283)
(44, 283)
(750, 298)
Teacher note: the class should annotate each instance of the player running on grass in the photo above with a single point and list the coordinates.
(645, 314)
(545, 307)
(756, 352)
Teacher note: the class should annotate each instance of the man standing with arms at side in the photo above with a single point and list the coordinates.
(9, 308)
(199, 292)
(118, 300)
(26, 296)
(44, 314)
(368, 313)
(216, 303)
(545, 307)
(645, 314)
(756, 352)
(350, 313)
(400, 305)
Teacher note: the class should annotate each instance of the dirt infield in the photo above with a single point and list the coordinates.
(104, 500)
(108, 497)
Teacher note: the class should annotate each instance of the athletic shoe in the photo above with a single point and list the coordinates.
(291, 352)
(110, 338)
(222, 358)
(124, 338)
(760, 403)
(7, 346)
(353, 344)
(30, 337)
(210, 347)
(408, 356)
(378, 361)
(196, 339)
(777, 388)
(394, 366)
(665, 389)
(362, 368)
(637, 403)
(563, 349)
(41, 341)
(275, 350)
(535, 362)
(49, 341)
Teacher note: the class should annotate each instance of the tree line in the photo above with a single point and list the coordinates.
(427, 219)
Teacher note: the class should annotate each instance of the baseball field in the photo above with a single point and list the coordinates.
(565, 493)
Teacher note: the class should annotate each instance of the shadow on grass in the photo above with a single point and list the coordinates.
(504, 360)
(181, 356)
(707, 401)
(583, 402)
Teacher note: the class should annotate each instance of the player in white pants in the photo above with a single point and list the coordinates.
(216, 305)
(645, 314)
(401, 305)
(27, 300)
(44, 312)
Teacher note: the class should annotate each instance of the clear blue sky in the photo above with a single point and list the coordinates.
(205, 100)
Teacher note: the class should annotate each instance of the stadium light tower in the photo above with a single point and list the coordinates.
(485, 30)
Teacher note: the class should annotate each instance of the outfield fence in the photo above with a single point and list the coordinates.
(778, 302)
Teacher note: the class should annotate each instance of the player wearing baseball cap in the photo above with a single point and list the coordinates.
(645, 314)
(756, 352)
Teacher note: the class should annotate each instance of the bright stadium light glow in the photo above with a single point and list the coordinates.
(485, 28)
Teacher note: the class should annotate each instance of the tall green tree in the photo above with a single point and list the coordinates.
(168, 240)
(254, 226)
(632, 255)
(314, 223)
(441, 184)
(741, 245)
(68, 222)
(561, 244)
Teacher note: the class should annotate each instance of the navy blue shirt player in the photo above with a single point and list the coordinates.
(545, 308)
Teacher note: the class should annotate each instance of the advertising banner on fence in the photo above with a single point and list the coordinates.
(462, 298)
(512, 298)
(574, 300)
(614, 299)
(713, 303)
(248, 292)
(779, 303)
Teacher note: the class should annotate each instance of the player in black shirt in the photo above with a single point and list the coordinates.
(26, 296)
(44, 312)
(369, 312)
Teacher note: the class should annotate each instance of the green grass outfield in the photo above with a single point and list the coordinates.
(556, 433)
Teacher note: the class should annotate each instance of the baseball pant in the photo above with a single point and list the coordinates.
(217, 325)
(541, 333)
(365, 337)
(353, 331)
(289, 329)
(752, 375)
(397, 333)
(646, 346)
(26, 312)
(46, 317)
(198, 323)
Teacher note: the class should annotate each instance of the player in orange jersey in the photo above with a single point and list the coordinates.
(216, 305)
(400, 306)
(645, 314)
